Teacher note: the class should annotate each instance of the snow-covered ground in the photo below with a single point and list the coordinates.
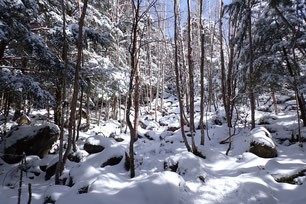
(241, 177)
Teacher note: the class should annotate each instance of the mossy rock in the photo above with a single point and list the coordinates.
(262, 150)
(291, 179)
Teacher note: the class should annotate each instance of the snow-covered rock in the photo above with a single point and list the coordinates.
(31, 140)
(261, 143)
(97, 143)
(161, 188)
(78, 156)
(187, 165)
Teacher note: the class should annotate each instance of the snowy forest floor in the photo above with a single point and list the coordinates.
(241, 177)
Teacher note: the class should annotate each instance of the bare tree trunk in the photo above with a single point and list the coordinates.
(125, 111)
(274, 103)
(7, 111)
(80, 115)
(134, 73)
(183, 69)
(298, 117)
(76, 83)
(223, 77)
(57, 107)
(120, 120)
(165, 54)
(202, 73)
(74, 139)
(87, 105)
(191, 80)
(106, 118)
(302, 108)
(100, 111)
(114, 109)
(251, 74)
(97, 108)
(149, 66)
(229, 102)
(178, 88)
(60, 166)
(158, 83)
(162, 88)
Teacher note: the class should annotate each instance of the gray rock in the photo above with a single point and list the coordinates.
(31, 140)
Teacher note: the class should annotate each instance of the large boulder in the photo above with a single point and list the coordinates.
(261, 143)
(31, 140)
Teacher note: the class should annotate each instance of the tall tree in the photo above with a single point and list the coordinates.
(134, 52)
(202, 72)
(191, 80)
(65, 59)
(76, 83)
(134, 74)
(177, 75)
(251, 74)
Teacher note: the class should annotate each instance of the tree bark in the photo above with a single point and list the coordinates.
(274, 103)
(114, 108)
(76, 83)
(183, 67)
(191, 80)
(57, 107)
(251, 74)
(100, 111)
(59, 166)
(149, 66)
(80, 115)
(87, 104)
(97, 108)
(202, 74)
(177, 77)
(134, 73)
(106, 118)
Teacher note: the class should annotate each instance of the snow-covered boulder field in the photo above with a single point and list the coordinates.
(162, 188)
(261, 143)
(31, 140)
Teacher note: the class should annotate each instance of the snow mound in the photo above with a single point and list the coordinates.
(161, 188)
(188, 165)
(261, 135)
(53, 193)
(100, 140)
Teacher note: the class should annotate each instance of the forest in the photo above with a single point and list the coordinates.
(152, 101)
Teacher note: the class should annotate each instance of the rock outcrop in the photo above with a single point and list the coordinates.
(31, 140)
